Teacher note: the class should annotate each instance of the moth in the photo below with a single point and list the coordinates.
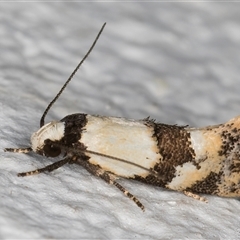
(189, 160)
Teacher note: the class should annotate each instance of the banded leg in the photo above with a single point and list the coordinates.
(18, 150)
(48, 168)
(109, 178)
(195, 196)
(128, 194)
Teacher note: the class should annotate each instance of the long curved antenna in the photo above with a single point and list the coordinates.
(70, 78)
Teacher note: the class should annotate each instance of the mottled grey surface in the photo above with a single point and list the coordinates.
(176, 62)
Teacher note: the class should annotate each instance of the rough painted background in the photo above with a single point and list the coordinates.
(176, 62)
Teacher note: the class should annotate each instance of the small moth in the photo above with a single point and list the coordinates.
(189, 160)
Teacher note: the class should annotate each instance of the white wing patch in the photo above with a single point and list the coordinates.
(129, 140)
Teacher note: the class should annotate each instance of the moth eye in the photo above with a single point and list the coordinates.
(50, 150)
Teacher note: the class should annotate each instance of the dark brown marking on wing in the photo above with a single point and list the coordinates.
(74, 125)
(208, 186)
(174, 146)
(230, 139)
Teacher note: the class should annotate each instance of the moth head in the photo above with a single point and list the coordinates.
(42, 140)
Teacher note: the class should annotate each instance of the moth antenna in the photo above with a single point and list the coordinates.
(70, 77)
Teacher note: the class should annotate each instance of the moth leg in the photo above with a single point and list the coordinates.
(107, 177)
(48, 168)
(195, 196)
(128, 194)
(18, 150)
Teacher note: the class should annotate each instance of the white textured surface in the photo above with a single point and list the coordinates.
(177, 62)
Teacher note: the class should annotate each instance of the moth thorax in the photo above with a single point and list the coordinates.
(54, 131)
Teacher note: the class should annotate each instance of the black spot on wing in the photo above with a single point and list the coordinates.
(74, 125)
